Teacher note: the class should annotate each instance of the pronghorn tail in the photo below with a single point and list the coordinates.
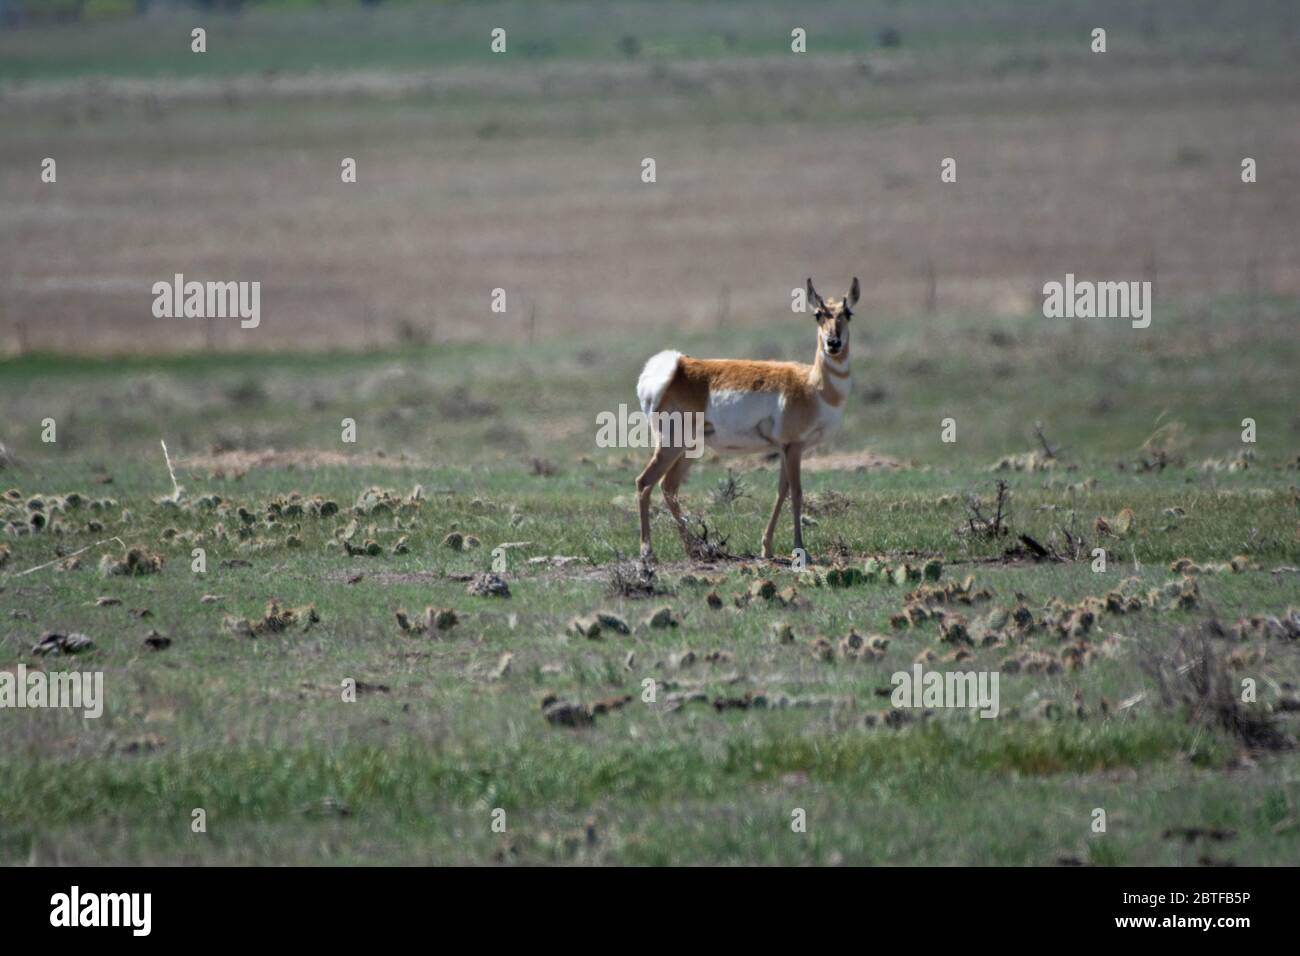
(656, 375)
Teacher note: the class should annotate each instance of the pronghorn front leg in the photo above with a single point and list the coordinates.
(793, 459)
(782, 489)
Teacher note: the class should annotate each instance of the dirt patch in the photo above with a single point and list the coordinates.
(242, 461)
(347, 576)
(865, 460)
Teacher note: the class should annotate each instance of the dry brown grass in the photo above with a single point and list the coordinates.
(764, 175)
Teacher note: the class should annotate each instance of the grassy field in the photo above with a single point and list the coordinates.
(418, 34)
(225, 686)
(254, 729)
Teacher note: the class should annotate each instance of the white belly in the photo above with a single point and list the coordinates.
(742, 421)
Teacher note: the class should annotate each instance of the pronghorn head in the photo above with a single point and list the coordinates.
(832, 317)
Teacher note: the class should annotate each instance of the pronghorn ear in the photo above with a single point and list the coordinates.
(814, 299)
(854, 292)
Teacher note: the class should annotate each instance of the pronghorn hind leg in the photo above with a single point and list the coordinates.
(782, 489)
(663, 460)
(793, 458)
(671, 483)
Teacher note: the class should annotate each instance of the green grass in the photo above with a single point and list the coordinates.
(1013, 34)
(1100, 387)
(256, 732)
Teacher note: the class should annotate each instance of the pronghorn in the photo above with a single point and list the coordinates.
(786, 407)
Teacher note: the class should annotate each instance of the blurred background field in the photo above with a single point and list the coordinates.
(522, 170)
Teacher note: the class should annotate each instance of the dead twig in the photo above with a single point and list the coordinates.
(728, 491)
(65, 557)
(1048, 450)
(978, 525)
(1036, 549)
(707, 545)
(633, 579)
(176, 488)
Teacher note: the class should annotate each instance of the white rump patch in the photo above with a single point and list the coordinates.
(655, 378)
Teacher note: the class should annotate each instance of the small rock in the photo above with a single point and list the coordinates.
(157, 642)
(1046, 710)
(587, 627)
(441, 619)
(610, 704)
(612, 622)
(662, 617)
(953, 630)
(563, 713)
(52, 642)
(679, 661)
(488, 585)
(845, 577)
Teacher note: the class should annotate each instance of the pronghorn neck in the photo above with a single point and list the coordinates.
(830, 376)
